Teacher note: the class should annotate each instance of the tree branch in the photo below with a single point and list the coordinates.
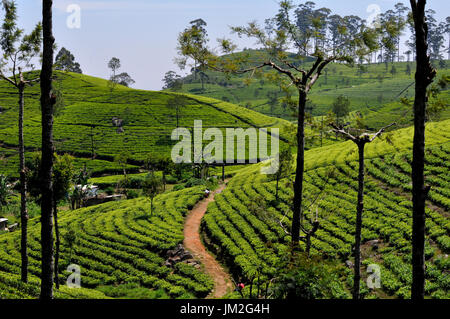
(33, 80)
(268, 63)
(284, 229)
(238, 71)
(286, 72)
(7, 79)
(338, 130)
(292, 66)
(381, 131)
(314, 67)
(320, 68)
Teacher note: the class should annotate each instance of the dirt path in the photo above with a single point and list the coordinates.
(192, 242)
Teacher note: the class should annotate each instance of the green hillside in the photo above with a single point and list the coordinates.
(148, 122)
(122, 248)
(371, 91)
(254, 243)
(88, 122)
(118, 243)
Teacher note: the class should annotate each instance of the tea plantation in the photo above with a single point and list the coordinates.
(115, 244)
(95, 121)
(374, 90)
(253, 243)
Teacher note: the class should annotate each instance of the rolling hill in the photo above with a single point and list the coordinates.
(119, 243)
(253, 244)
(95, 121)
(374, 92)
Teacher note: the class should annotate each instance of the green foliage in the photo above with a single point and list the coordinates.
(121, 159)
(17, 48)
(116, 245)
(5, 190)
(341, 106)
(79, 191)
(252, 229)
(305, 278)
(63, 173)
(12, 209)
(152, 186)
(437, 102)
(13, 288)
(172, 81)
(148, 122)
(363, 91)
(65, 61)
(131, 194)
(114, 65)
(285, 165)
(124, 79)
(191, 44)
(132, 291)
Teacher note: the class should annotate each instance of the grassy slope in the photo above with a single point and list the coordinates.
(117, 243)
(148, 122)
(366, 92)
(387, 215)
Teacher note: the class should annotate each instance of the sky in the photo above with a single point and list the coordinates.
(143, 33)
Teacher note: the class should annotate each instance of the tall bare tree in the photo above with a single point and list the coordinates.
(424, 77)
(47, 102)
(18, 52)
(361, 142)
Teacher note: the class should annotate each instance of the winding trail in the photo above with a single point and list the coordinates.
(192, 242)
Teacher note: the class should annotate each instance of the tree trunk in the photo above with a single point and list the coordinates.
(58, 242)
(47, 103)
(308, 244)
(23, 189)
(298, 184)
(424, 77)
(359, 211)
